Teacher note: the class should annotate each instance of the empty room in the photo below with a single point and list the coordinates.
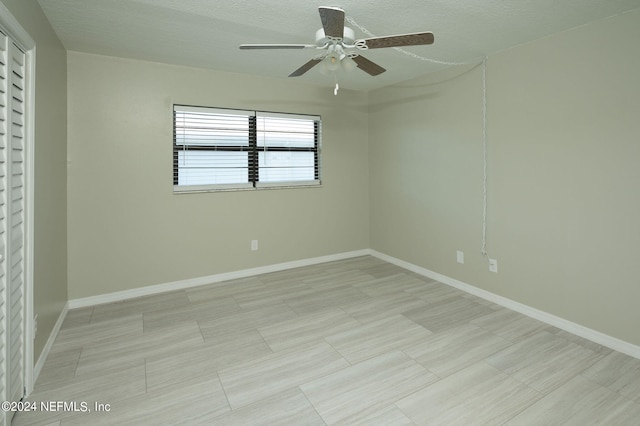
(310, 213)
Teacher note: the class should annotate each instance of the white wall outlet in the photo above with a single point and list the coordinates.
(493, 265)
(254, 245)
(460, 256)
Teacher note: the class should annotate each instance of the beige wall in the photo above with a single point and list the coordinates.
(126, 227)
(50, 186)
(563, 173)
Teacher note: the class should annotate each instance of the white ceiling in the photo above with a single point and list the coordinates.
(206, 33)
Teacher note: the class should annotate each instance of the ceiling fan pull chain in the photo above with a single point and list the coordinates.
(353, 22)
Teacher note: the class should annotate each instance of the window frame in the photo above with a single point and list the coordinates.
(253, 150)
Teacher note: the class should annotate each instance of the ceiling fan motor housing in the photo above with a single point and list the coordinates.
(322, 39)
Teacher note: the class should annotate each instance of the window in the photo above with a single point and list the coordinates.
(217, 149)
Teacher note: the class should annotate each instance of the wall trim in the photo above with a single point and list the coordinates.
(210, 279)
(47, 347)
(561, 323)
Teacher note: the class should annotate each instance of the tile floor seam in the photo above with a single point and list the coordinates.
(77, 362)
(311, 403)
(324, 339)
(224, 391)
(93, 309)
(579, 373)
(609, 388)
(265, 341)
(200, 331)
(146, 380)
(532, 403)
(404, 351)
(543, 394)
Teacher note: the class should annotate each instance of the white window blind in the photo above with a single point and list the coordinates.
(216, 148)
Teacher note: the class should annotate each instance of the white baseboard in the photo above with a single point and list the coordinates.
(211, 279)
(561, 323)
(47, 347)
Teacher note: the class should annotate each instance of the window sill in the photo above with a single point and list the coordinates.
(223, 188)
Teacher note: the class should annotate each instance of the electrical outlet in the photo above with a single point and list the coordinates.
(493, 265)
(254, 245)
(460, 256)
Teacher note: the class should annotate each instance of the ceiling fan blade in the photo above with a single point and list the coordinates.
(367, 66)
(414, 39)
(332, 21)
(306, 67)
(276, 46)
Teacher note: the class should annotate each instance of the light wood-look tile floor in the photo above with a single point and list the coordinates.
(350, 342)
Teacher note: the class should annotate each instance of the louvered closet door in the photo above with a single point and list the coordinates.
(3, 222)
(12, 199)
(15, 228)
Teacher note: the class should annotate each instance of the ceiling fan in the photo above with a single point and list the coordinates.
(341, 48)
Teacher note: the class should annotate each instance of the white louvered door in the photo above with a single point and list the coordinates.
(15, 222)
(4, 116)
(12, 220)
(3, 221)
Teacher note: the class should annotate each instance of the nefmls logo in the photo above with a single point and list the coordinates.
(73, 406)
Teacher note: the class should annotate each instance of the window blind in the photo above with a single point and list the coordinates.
(218, 148)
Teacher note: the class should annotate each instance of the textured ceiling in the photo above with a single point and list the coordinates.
(206, 33)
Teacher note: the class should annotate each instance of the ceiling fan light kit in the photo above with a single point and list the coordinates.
(341, 48)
